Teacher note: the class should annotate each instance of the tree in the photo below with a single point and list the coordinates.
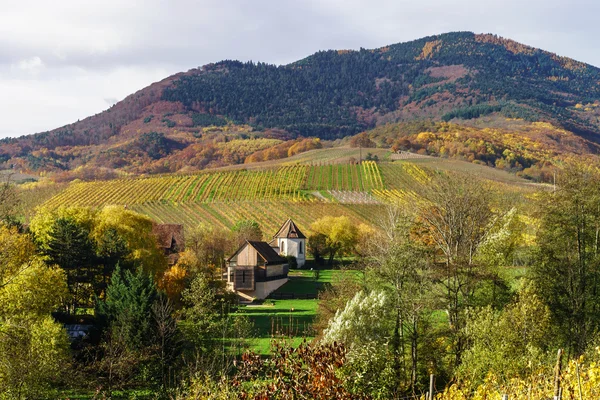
(317, 246)
(401, 267)
(209, 322)
(508, 344)
(340, 234)
(128, 307)
(361, 321)
(344, 286)
(34, 352)
(247, 229)
(89, 244)
(212, 245)
(455, 217)
(364, 326)
(111, 250)
(16, 254)
(135, 231)
(136, 331)
(33, 347)
(567, 269)
(167, 338)
(9, 201)
(69, 246)
(207, 303)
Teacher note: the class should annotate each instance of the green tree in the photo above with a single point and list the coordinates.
(209, 322)
(140, 336)
(510, 343)
(247, 229)
(69, 246)
(567, 269)
(401, 267)
(128, 307)
(111, 250)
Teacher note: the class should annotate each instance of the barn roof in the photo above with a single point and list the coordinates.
(289, 230)
(167, 233)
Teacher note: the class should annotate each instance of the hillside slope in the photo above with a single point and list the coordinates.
(307, 190)
(181, 122)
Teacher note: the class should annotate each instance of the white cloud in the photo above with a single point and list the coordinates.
(60, 60)
(29, 66)
(71, 94)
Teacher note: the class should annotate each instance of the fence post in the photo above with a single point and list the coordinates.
(431, 387)
(557, 369)
(579, 380)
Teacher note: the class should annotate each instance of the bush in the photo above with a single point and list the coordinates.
(292, 262)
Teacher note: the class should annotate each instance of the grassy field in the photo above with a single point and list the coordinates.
(292, 319)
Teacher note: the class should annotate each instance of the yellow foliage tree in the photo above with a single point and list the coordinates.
(340, 235)
(136, 230)
(33, 347)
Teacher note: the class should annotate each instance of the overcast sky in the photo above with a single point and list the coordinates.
(64, 60)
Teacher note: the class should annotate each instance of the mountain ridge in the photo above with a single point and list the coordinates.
(330, 94)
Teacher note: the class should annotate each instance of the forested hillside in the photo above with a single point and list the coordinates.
(185, 121)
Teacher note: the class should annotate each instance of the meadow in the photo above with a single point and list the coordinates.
(289, 319)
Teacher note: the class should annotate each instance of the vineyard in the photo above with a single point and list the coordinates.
(269, 196)
(268, 214)
(287, 183)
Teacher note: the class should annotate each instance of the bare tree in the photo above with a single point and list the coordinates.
(456, 215)
(167, 339)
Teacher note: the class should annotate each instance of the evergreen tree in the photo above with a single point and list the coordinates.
(69, 246)
(127, 309)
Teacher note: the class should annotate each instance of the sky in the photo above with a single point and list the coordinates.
(64, 60)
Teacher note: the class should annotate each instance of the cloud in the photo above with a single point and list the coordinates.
(65, 59)
(111, 100)
(31, 65)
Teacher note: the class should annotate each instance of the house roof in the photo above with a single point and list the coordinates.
(166, 233)
(289, 230)
(265, 250)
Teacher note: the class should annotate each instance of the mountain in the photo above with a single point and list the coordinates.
(206, 116)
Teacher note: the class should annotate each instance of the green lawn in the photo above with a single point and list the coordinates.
(306, 281)
(281, 318)
(292, 318)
